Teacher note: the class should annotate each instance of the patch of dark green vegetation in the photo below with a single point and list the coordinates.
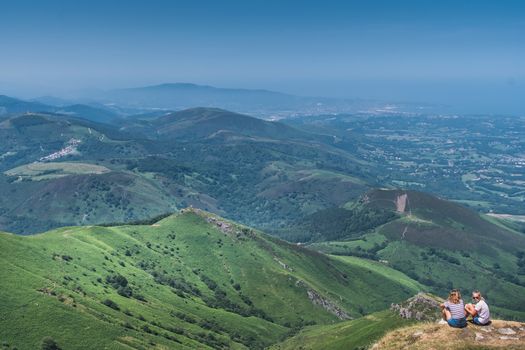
(337, 224)
(149, 221)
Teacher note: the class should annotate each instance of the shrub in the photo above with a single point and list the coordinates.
(49, 343)
(110, 303)
(209, 282)
(120, 283)
(125, 291)
(139, 297)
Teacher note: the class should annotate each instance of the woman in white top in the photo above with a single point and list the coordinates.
(479, 310)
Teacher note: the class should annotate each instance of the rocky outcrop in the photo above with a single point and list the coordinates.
(282, 264)
(421, 307)
(226, 227)
(440, 336)
(425, 336)
(328, 305)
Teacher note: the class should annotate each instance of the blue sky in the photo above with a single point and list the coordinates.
(464, 53)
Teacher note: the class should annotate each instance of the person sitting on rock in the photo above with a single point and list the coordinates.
(453, 310)
(479, 310)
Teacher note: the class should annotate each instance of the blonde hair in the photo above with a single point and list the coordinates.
(454, 296)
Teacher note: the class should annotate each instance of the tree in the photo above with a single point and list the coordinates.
(49, 343)
(110, 303)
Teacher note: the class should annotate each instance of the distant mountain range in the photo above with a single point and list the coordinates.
(12, 106)
(257, 102)
(179, 96)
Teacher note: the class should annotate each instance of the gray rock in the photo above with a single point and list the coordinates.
(417, 334)
(509, 338)
(479, 337)
(506, 331)
(283, 265)
(420, 307)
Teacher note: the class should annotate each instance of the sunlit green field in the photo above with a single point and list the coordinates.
(45, 171)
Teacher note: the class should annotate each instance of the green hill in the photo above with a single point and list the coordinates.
(54, 173)
(192, 280)
(441, 244)
(260, 173)
(32, 136)
(440, 223)
(11, 105)
(197, 123)
(96, 114)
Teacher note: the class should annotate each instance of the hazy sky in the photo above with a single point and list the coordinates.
(467, 53)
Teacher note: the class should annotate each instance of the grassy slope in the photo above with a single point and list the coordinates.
(444, 245)
(383, 270)
(355, 334)
(70, 266)
(438, 275)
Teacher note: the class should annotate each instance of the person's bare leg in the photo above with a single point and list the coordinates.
(446, 315)
(470, 309)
